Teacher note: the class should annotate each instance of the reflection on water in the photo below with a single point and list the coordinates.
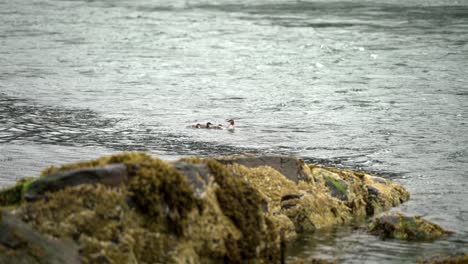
(376, 85)
(354, 245)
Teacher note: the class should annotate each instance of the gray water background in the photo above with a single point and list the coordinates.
(380, 86)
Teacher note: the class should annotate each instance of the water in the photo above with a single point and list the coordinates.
(380, 86)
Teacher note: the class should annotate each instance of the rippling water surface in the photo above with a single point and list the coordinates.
(378, 85)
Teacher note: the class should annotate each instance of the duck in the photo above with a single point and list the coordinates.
(208, 125)
(231, 124)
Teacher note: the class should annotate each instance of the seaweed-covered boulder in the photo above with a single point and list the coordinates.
(403, 227)
(20, 244)
(292, 168)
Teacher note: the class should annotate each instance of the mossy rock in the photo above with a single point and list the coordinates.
(403, 227)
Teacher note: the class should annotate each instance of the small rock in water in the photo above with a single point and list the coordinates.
(403, 227)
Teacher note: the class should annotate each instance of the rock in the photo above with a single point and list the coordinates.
(198, 176)
(19, 244)
(403, 227)
(294, 169)
(110, 175)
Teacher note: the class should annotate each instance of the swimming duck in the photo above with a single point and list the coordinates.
(208, 125)
(231, 124)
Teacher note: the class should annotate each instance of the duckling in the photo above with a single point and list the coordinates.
(208, 125)
(219, 126)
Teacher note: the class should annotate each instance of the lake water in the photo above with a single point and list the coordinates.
(380, 86)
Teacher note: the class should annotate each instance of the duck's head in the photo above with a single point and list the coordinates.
(231, 121)
(208, 124)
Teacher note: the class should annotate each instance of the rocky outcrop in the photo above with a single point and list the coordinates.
(132, 208)
(403, 227)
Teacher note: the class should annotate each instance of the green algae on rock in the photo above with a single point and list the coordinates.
(403, 227)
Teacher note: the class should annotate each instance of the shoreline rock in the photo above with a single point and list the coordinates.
(130, 207)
